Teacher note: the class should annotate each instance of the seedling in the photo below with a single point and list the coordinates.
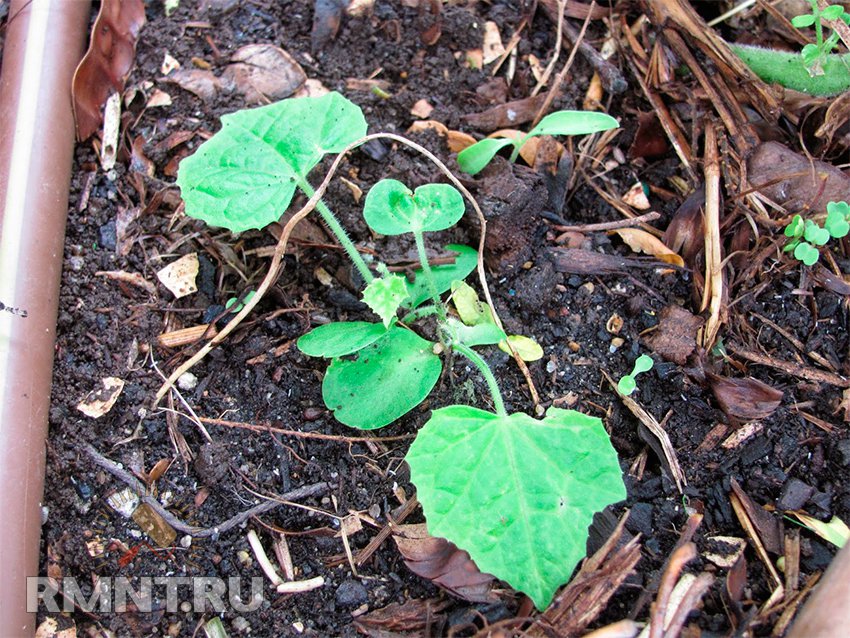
(628, 384)
(805, 236)
(234, 305)
(474, 158)
(517, 493)
(815, 70)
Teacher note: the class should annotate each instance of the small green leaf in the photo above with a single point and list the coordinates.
(384, 295)
(842, 208)
(444, 275)
(228, 305)
(245, 175)
(574, 123)
(482, 334)
(627, 385)
(814, 234)
(474, 158)
(832, 12)
(795, 227)
(526, 347)
(836, 223)
(386, 380)
(835, 531)
(806, 253)
(518, 494)
(391, 208)
(171, 6)
(805, 20)
(340, 338)
(469, 308)
(643, 363)
(811, 54)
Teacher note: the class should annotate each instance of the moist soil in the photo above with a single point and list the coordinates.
(110, 328)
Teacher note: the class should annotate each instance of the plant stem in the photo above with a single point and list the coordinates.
(518, 144)
(339, 232)
(429, 276)
(482, 366)
(424, 311)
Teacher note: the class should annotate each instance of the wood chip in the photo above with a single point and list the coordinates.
(100, 401)
(179, 276)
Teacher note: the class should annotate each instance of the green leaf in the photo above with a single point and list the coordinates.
(340, 338)
(386, 380)
(806, 253)
(815, 234)
(518, 494)
(245, 175)
(811, 53)
(842, 208)
(643, 363)
(469, 308)
(627, 385)
(482, 334)
(444, 275)
(836, 223)
(832, 12)
(574, 123)
(805, 20)
(391, 208)
(474, 158)
(526, 347)
(795, 227)
(384, 295)
(228, 305)
(835, 531)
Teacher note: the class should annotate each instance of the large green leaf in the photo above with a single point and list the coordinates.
(340, 338)
(474, 158)
(518, 494)
(444, 275)
(244, 176)
(391, 208)
(385, 381)
(574, 123)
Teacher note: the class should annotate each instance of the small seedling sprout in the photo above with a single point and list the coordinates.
(806, 236)
(628, 384)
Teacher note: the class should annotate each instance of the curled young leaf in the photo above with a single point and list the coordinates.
(384, 295)
(393, 209)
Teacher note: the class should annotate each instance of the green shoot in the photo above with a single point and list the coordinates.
(628, 384)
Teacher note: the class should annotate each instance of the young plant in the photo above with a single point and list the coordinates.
(517, 493)
(628, 384)
(805, 236)
(474, 158)
(815, 70)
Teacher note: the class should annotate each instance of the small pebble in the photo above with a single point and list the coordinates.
(186, 541)
(76, 263)
(185, 606)
(240, 625)
(244, 558)
(351, 593)
(187, 381)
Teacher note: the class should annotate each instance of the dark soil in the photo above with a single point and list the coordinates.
(109, 328)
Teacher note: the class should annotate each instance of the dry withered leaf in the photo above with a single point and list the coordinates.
(443, 563)
(492, 47)
(795, 181)
(107, 63)
(139, 162)
(506, 115)
(327, 15)
(686, 232)
(641, 241)
(422, 109)
(650, 140)
(578, 261)
(676, 335)
(412, 616)
(179, 276)
(263, 73)
(745, 399)
(431, 34)
(836, 117)
(202, 83)
(100, 401)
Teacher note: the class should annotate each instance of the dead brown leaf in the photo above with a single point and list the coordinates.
(641, 241)
(443, 563)
(263, 73)
(107, 63)
(327, 16)
(139, 162)
(744, 399)
(506, 115)
(413, 616)
(202, 83)
(676, 335)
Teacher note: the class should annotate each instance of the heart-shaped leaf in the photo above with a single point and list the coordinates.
(391, 208)
(806, 253)
(795, 227)
(444, 275)
(574, 123)
(244, 176)
(340, 338)
(385, 381)
(518, 494)
(832, 12)
(815, 234)
(474, 158)
(384, 295)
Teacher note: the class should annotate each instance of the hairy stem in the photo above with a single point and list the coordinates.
(787, 69)
(339, 232)
(424, 311)
(482, 366)
(429, 276)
